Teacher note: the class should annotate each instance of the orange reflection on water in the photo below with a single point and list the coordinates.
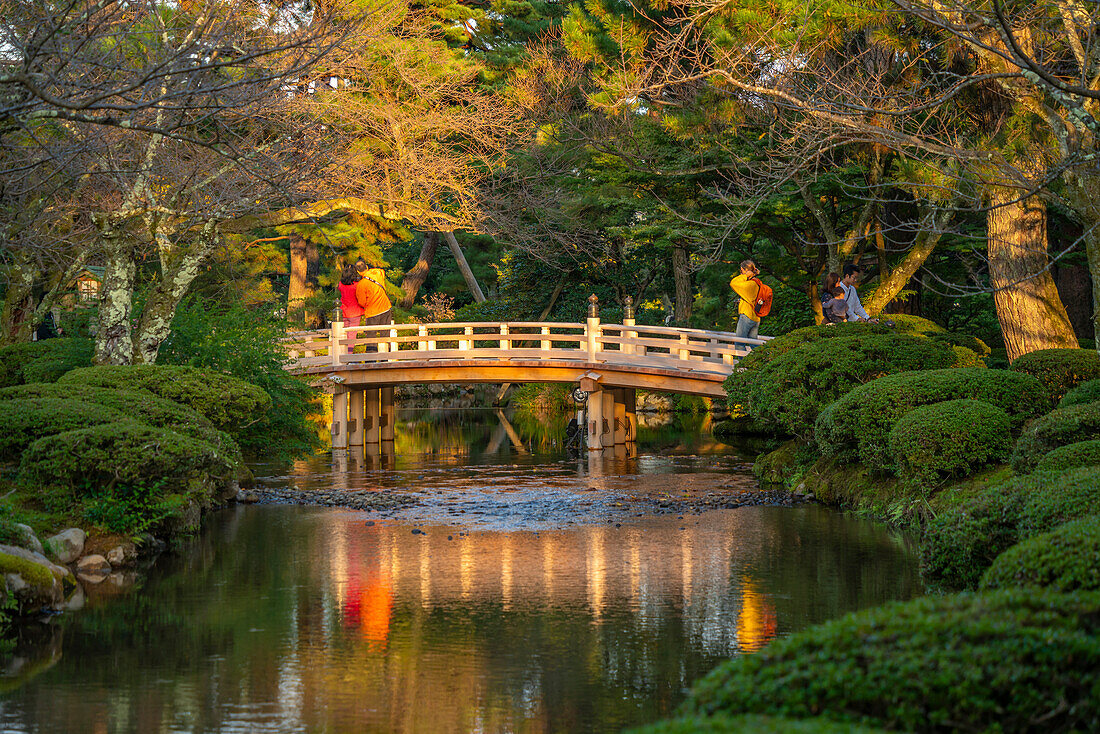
(756, 624)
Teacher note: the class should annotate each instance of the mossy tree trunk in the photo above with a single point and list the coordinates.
(304, 266)
(114, 343)
(893, 282)
(1029, 308)
(180, 269)
(18, 302)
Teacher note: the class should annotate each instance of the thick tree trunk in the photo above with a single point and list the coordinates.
(1092, 252)
(419, 273)
(17, 324)
(164, 299)
(464, 267)
(681, 276)
(113, 343)
(304, 267)
(1031, 313)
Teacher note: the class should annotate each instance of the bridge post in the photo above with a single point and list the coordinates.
(340, 420)
(607, 433)
(592, 327)
(388, 414)
(355, 418)
(373, 418)
(594, 406)
(336, 334)
(628, 320)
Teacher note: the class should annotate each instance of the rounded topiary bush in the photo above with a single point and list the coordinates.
(24, 421)
(1057, 428)
(1060, 369)
(954, 437)
(1065, 559)
(863, 418)
(998, 661)
(1084, 453)
(960, 543)
(1086, 392)
(42, 361)
(787, 392)
(140, 405)
(751, 724)
(127, 453)
(230, 404)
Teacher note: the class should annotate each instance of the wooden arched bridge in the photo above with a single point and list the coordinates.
(361, 365)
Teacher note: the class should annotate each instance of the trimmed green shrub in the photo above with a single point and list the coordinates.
(140, 405)
(750, 724)
(1086, 392)
(960, 543)
(1057, 428)
(1084, 453)
(42, 361)
(125, 453)
(1060, 369)
(789, 391)
(1065, 559)
(863, 418)
(200, 331)
(998, 661)
(24, 421)
(954, 437)
(230, 404)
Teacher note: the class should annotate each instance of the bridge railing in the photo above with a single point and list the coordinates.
(589, 342)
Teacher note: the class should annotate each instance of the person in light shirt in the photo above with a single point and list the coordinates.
(851, 295)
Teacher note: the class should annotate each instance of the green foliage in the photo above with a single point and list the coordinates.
(1057, 428)
(229, 403)
(786, 392)
(961, 542)
(1064, 559)
(246, 344)
(750, 724)
(1060, 370)
(1083, 453)
(954, 437)
(998, 661)
(863, 418)
(1086, 392)
(543, 398)
(25, 421)
(125, 453)
(131, 509)
(42, 361)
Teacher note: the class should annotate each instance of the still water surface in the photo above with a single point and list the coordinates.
(287, 618)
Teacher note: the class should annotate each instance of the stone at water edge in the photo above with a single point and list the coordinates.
(35, 581)
(93, 568)
(67, 545)
(27, 538)
(122, 555)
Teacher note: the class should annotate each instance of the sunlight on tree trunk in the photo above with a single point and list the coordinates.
(419, 272)
(1029, 309)
(113, 344)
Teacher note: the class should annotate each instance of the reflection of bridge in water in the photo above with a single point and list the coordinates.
(609, 362)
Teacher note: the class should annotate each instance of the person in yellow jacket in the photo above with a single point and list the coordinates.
(746, 286)
(370, 292)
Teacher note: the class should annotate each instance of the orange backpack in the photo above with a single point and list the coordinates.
(763, 305)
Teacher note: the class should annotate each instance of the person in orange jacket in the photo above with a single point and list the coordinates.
(370, 292)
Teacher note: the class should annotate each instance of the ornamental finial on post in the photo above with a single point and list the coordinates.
(593, 307)
(628, 308)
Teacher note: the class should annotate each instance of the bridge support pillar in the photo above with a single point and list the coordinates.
(607, 435)
(339, 420)
(631, 400)
(372, 421)
(355, 418)
(595, 421)
(388, 414)
(620, 431)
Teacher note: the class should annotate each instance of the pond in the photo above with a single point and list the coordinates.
(518, 594)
